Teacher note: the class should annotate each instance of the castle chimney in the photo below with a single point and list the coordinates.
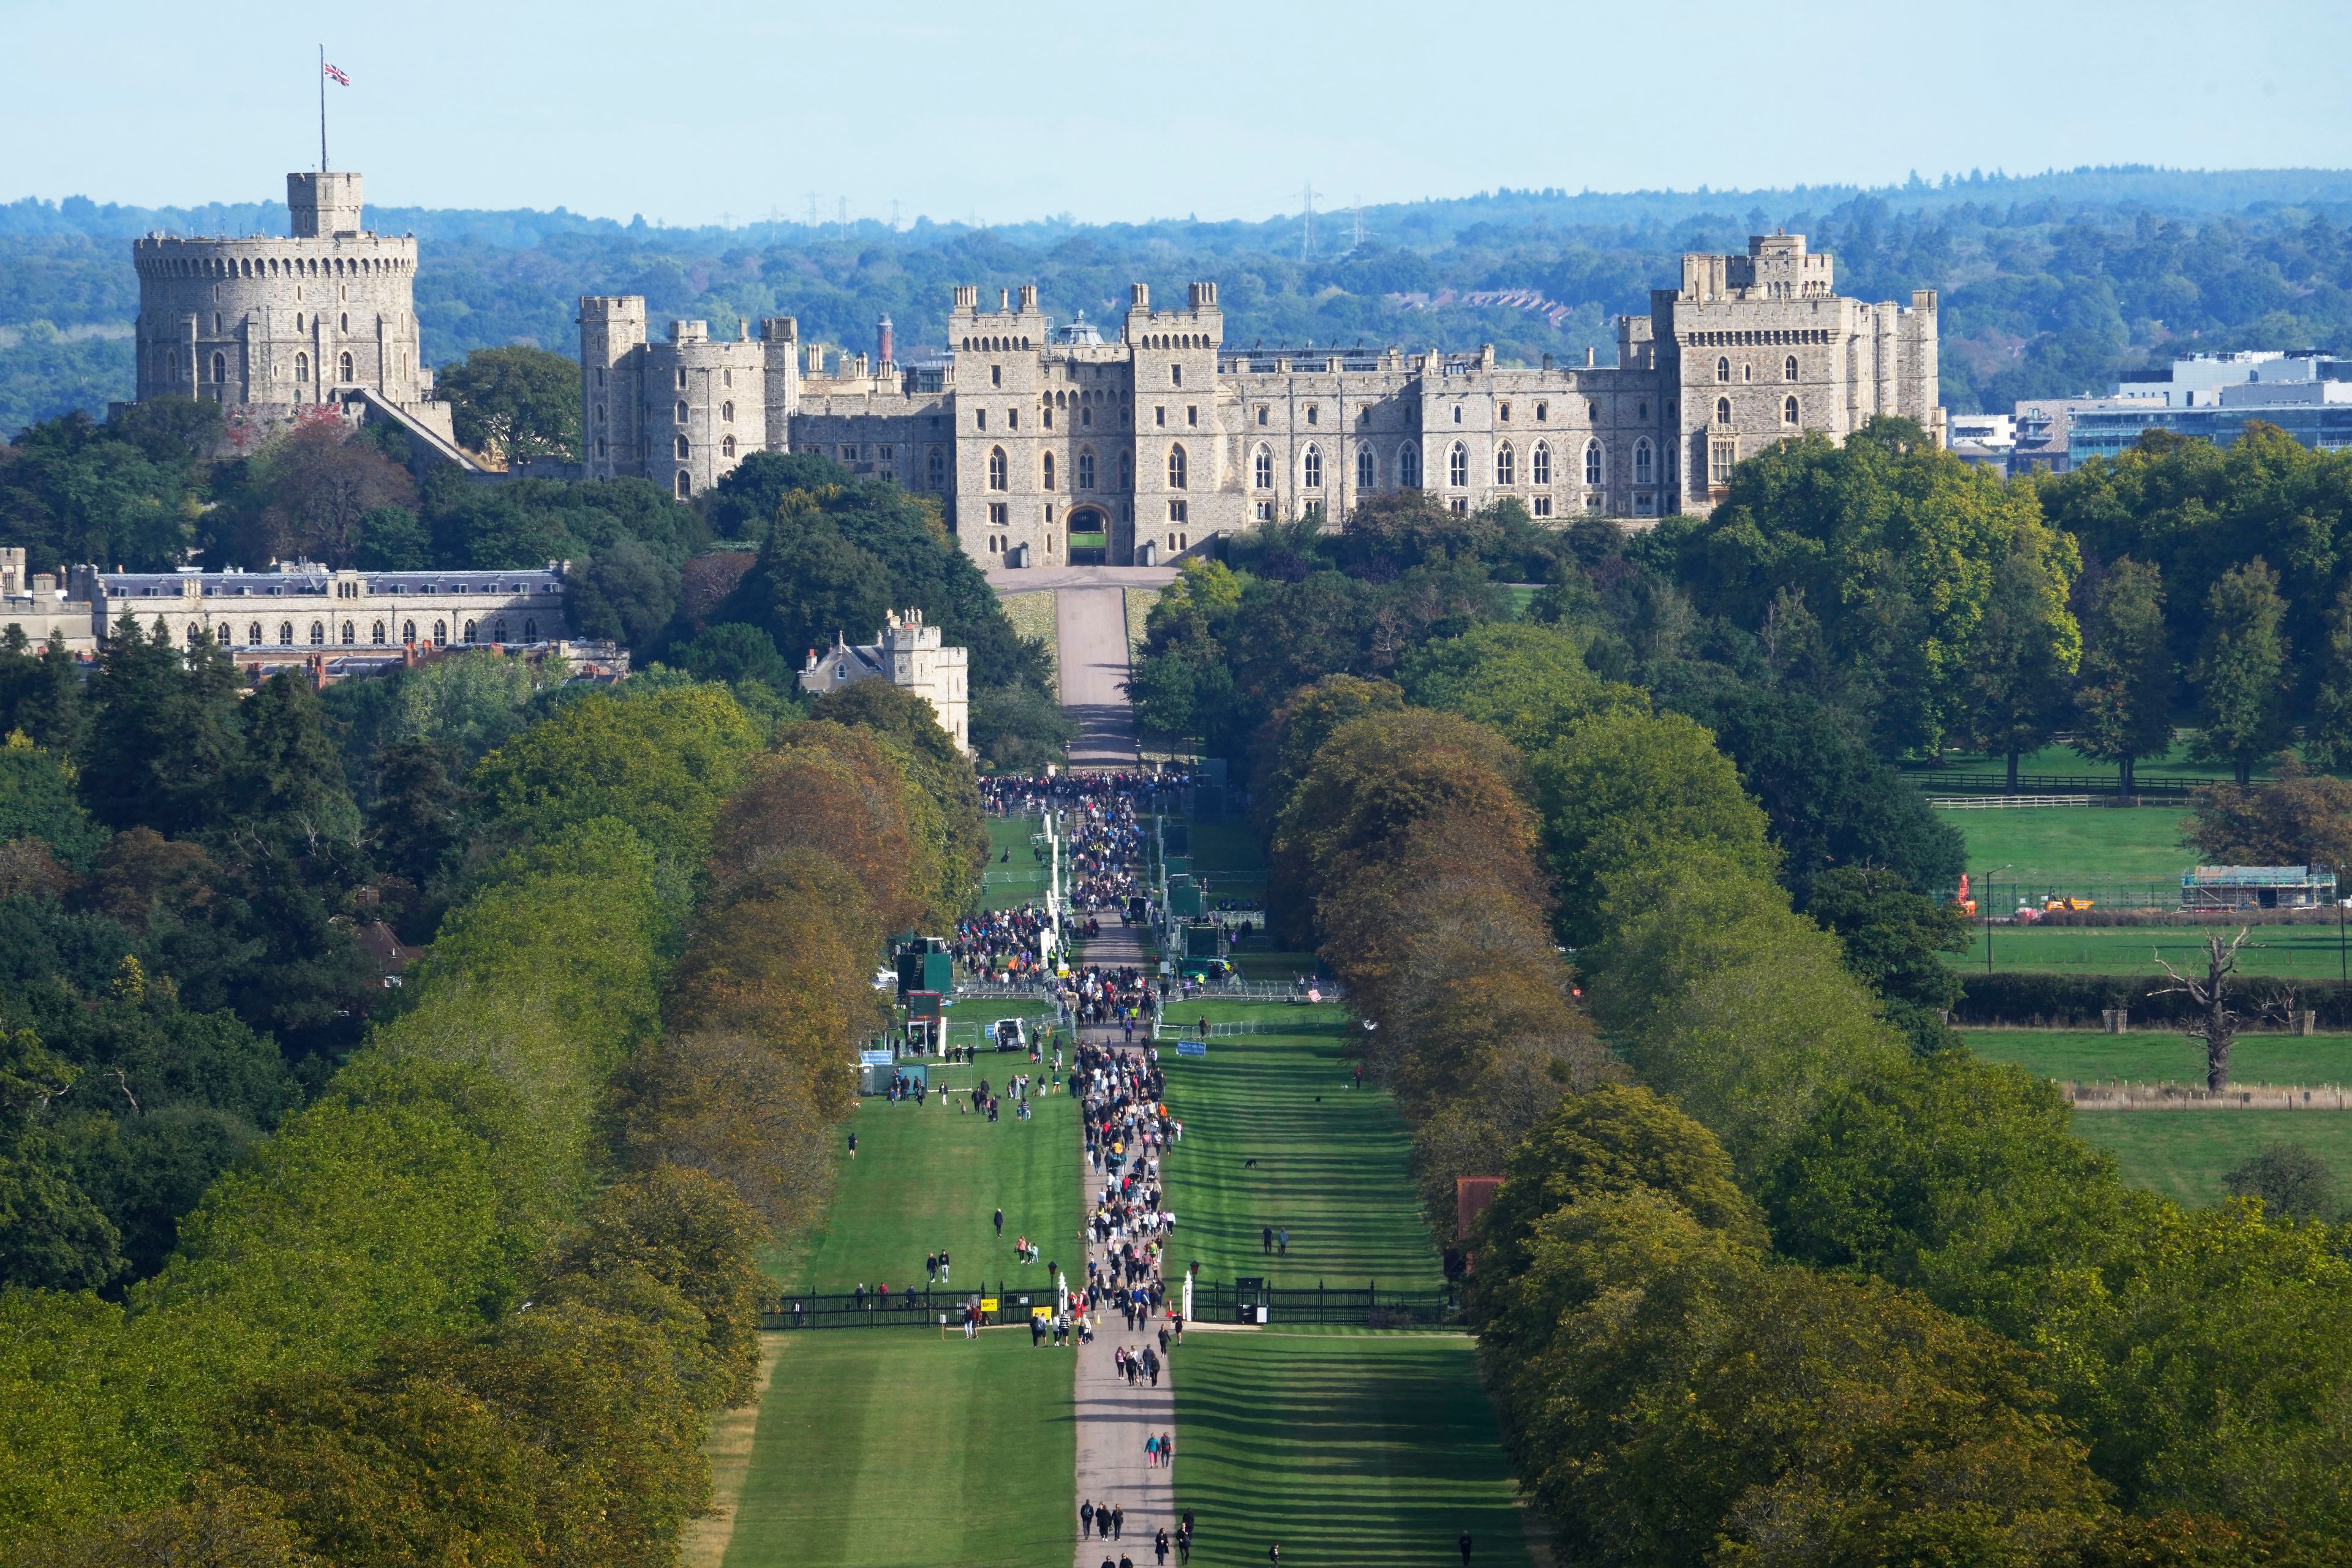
(1004, 299)
(882, 345)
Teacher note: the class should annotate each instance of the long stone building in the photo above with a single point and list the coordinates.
(1034, 434)
(275, 329)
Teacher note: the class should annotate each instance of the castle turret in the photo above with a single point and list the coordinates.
(323, 204)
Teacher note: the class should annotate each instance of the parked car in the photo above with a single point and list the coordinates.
(1010, 1035)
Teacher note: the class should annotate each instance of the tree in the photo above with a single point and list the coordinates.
(625, 594)
(1528, 680)
(2296, 819)
(413, 817)
(811, 586)
(2240, 670)
(742, 504)
(1618, 787)
(2123, 704)
(37, 801)
(2292, 1182)
(2328, 738)
(318, 487)
(514, 404)
(2215, 1026)
(2025, 650)
(1892, 938)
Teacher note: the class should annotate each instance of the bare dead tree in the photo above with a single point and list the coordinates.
(2217, 1024)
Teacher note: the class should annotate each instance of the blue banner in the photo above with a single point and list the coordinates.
(1192, 1047)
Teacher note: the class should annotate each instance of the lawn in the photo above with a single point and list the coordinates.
(1021, 880)
(934, 1177)
(2183, 1153)
(898, 1448)
(1036, 616)
(2066, 848)
(1274, 1136)
(2151, 1053)
(1365, 1449)
(2065, 760)
(2307, 952)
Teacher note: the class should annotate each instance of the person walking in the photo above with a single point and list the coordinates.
(1117, 1520)
(1168, 1451)
(1282, 1242)
(1000, 1224)
(1265, 1238)
(1086, 1520)
(930, 1268)
(1465, 1544)
(1273, 1552)
(1160, 1545)
(1151, 1450)
(943, 1264)
(853, 1145)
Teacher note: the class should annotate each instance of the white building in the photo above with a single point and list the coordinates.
(909, 655)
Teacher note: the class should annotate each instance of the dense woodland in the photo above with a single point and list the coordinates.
(2050, 284)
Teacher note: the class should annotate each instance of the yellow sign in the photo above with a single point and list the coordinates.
(988, 1303)
(1041, 1312)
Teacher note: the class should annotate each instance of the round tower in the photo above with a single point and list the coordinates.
(273, 324)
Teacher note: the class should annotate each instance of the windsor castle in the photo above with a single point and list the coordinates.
(1047, 442)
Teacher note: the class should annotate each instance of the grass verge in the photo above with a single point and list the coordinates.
(2150, 1055)
(2298, 951)
(1274, 1136)
(898, 1448)
(2184, 1154)
(934, 1177)
(1373, 1451)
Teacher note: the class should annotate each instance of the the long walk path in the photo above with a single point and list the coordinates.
(1092, 629)
(1114, 1418)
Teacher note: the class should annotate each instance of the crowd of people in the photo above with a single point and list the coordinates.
(1001, 945)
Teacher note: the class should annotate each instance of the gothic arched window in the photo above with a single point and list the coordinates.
(1789, 410)
(302, 368)
(1457, 466)
(1789, 368)
(685, 485)
(1087, 468)
(1262, 469)
(1367, 472)
(350, 633)
(318, 634)
(1505, 465)
(1408, 465)
(1723, 369)
(1642, 461)
(252, 634)
(220, 368)
(345, 364)
(1049, 470)
(286, 633)
(408, 631)
(727, 447)
(378, 637)
(999, 475)
(1723, 411)
(1175, 467)
(1310, 469)
(1539, 464)
(683, 450)
(1592, 475)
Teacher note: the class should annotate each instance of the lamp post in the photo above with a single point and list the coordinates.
(1988, 908)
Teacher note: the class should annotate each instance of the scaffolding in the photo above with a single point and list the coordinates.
(2226, 889)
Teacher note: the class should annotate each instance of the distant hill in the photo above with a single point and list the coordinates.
(2050, 282)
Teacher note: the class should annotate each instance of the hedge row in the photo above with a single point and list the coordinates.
(2075, 1000)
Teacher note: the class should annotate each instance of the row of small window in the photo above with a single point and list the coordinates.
(685, 449)
(1770, 337)
(1086, 418)
(350, 633)
(1408, 465)
(1748, 371)
(220, 367)
(276, 267)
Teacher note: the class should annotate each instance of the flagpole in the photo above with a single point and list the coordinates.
(323, 109)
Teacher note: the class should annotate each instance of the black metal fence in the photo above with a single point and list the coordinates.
(1359, 1307)
(904, 1308)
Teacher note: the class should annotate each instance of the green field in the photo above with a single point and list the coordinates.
(1372, 1450)
(2151, 1053)
(2066, 848)
(900, 1448)
(2183, 1153)
(1020, 881)
(932, 1177)
(1274, 1136)
(1227, 859)
(2064, 760)
(2310, 953)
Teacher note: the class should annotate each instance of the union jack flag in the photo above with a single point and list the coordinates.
(340, 76)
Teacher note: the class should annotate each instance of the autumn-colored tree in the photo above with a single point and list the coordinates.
(730, 1106)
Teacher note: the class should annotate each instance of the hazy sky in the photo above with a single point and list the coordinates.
(692, 111)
